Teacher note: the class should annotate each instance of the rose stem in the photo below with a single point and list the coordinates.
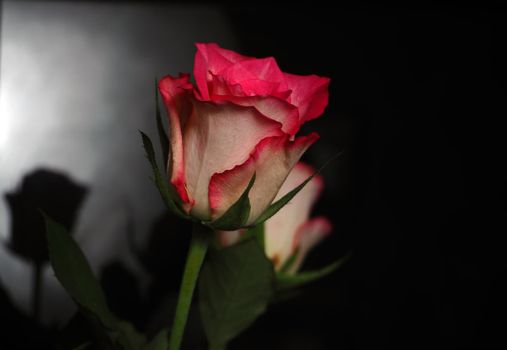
(201, 236)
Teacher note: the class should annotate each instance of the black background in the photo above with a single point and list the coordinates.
(418, 106)
(417, 103)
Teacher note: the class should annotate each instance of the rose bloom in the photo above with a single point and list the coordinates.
(291, 231)
(240, 118)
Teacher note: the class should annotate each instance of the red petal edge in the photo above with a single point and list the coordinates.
(228, 178)
(327, 228)
(174, 93)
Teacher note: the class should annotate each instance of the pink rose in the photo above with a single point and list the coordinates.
(291, 231)
(241, 118)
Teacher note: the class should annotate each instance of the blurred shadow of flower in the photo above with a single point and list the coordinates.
(55, 194)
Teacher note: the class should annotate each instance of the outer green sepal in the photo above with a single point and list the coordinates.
(279, 204)
(170, 199)
(237, 215)
(289, 263)
(285, 281)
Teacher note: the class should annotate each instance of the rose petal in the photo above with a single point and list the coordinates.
(257, 77)
(175, 94)
(309, 93)
(212, 59)
(308, 236)
(218, 137)
(272, 160)
(271, 107)
(220, 86)
(276, 108)
(311, 192)
(282, 228)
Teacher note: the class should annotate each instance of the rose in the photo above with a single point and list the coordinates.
(290, 234)
(291, 231)
(240, 119)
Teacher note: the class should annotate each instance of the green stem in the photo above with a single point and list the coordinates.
(201, 236)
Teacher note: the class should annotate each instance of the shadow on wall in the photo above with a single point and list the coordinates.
(58, 196)
(89, 70)
(162, 258)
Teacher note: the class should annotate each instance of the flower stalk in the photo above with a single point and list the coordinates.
(201, 236)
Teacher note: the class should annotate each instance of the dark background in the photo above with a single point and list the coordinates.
(417, 103)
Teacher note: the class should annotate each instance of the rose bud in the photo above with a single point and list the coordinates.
(240, 119)
(290, 234)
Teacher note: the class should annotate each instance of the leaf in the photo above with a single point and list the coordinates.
(160, 182)
(235, 287)
(237, 215)
(279, 204)
(159, 342)
(74, 273)
(128, 337)
(285, 281)
(164, 140)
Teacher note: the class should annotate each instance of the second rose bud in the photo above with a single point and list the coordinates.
(290, 234)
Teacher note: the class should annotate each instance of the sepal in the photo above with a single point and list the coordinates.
(237, 215)
(279, 204)
(285, 281)
(170, 198)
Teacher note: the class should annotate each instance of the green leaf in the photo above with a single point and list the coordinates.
(160, 182)
(128, 337)
(74, 273)
(285, 281)
(235, 287)
(160, 342)
(164, 140)
(237, 215)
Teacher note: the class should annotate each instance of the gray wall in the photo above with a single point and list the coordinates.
(77, 84)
